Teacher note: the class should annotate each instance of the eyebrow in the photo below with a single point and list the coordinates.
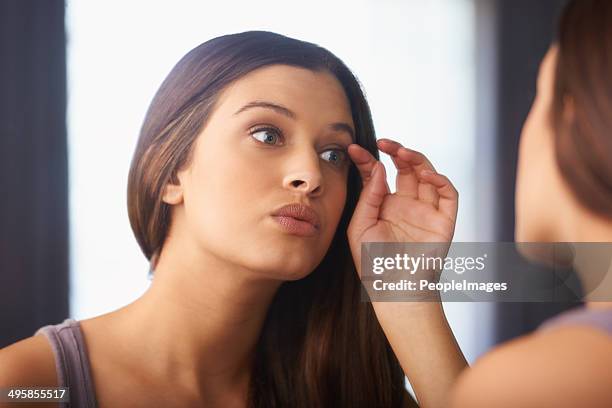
(337, 126)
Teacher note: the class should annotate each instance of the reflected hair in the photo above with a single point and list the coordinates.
(320, 345)
(583, 87)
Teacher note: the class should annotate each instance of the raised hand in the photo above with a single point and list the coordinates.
(423, 208)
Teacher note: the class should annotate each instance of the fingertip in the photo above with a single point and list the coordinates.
(411, 155)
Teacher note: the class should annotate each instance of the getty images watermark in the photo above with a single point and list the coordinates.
(486, 271)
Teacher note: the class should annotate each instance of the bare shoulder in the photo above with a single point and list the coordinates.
(562, 367)
(28, 362)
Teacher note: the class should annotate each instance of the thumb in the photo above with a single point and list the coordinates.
(371, 198)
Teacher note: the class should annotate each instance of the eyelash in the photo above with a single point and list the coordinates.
(341, 150)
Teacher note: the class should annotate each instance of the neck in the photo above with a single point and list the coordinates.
(201, 318)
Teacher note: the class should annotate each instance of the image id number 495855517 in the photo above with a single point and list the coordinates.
(34, 394)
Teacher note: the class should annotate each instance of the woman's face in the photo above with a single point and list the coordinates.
(541, 195)
(273, 139)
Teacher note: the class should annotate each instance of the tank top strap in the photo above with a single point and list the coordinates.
(71, 362)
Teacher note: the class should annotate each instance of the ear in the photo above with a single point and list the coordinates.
(173, 194)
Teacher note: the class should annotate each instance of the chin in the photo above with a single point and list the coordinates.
(529, 225)
(520, 235)
(295, 276)
(286, 275)
(536, 245)
(553, 254)
(521, 228)
(284, 269)
(297, 271)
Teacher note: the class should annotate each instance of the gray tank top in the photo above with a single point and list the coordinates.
(597, 318)
(71, 362)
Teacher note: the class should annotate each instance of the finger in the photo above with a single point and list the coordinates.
(416, 162)
(364, 161)
(449, 197)
(427, 192)
(406, 182)
(370, 200)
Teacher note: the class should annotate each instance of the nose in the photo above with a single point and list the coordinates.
(304, 175)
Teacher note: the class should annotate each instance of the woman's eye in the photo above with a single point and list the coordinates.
(335, 156)
(266, 135)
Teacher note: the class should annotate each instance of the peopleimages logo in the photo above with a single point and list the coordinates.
(413, 264)
(424, 284)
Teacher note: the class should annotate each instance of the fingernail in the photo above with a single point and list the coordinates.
(426, 172)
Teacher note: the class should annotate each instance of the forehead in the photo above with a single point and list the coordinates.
(300, 89)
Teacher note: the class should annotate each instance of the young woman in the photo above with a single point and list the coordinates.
(564, 160)
(254, 182)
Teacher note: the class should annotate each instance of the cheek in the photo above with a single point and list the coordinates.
(526, 165)
(534, 187)
(222, 189)
(335, 203)
(523, 204)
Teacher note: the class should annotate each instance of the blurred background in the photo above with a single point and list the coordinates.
(451, 78)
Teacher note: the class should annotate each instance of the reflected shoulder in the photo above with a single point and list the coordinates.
(562, 367)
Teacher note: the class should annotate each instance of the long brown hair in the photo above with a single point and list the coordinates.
(320, 345)
(583, 77)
